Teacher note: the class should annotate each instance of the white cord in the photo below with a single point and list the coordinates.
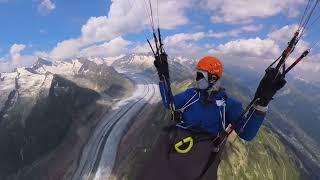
(223, 116)
(248, 119)
(187, 105)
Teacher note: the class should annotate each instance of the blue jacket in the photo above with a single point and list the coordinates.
(209, 116)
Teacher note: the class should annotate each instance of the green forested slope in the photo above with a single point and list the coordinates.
(263, 158)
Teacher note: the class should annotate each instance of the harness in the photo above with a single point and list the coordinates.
(197, 135)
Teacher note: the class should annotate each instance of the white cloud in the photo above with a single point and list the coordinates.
(46, 6)
(142, 48)
(16, 58)
(251, 51)
(235, 32)
(268, 48)
(262, 48)
(16, 49)
(66, 49)
(231, 33)
(252, 28)
(178, 38)
(185, 43)
(284, 34)
(15, 53)
(244, 11)
(123, 18)
(112, 48)
(177, 44)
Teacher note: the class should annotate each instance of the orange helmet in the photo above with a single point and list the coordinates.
(211, 65)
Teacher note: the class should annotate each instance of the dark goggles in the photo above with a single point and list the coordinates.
(211, 77)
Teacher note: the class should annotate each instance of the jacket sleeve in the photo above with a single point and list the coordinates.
(249, 126)
(165, 91)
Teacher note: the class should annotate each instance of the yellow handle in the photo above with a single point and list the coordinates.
(180, 143)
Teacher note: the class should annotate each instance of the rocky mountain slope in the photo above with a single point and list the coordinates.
(39, 105)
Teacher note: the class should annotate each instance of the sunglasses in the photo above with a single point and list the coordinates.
(211, 77)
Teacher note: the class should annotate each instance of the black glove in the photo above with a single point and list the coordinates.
(272, 81)
(161, 64)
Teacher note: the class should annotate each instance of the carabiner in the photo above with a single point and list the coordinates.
(180, 143)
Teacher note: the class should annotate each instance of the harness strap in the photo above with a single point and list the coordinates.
(190, 103)
(210, 161)
(212, 158)
(222, 103)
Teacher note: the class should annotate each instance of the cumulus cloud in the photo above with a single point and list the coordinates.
(122, 18)
(262, 48)
(66, 49)
(177, 44)
(252, 28)
(16, 49)
(141, 48)
(268, 48)
(253, 50)
(15, 58)
(114, 47)
(15, 52)
(244, 11)
(186, 43)
(283, 34)
(46, 6)
(177, 38)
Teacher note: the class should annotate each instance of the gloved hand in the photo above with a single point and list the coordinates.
(161, 64)
(269, 85)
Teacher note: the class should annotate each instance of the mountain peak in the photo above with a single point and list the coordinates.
(41, 62)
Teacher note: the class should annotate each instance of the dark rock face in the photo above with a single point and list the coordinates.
(40, 63)
(45, 126)
(104, 78)
(12, 98)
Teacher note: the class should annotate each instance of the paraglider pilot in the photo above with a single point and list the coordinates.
(189, 148)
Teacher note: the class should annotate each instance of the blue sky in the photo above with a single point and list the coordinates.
(59, 29)
(22, 21)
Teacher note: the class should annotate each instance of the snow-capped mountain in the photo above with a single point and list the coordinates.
(38, 104)
(145, 61)
(26, 84)
(179, 67)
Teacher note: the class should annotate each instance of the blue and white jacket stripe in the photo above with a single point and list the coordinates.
(208, 116)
